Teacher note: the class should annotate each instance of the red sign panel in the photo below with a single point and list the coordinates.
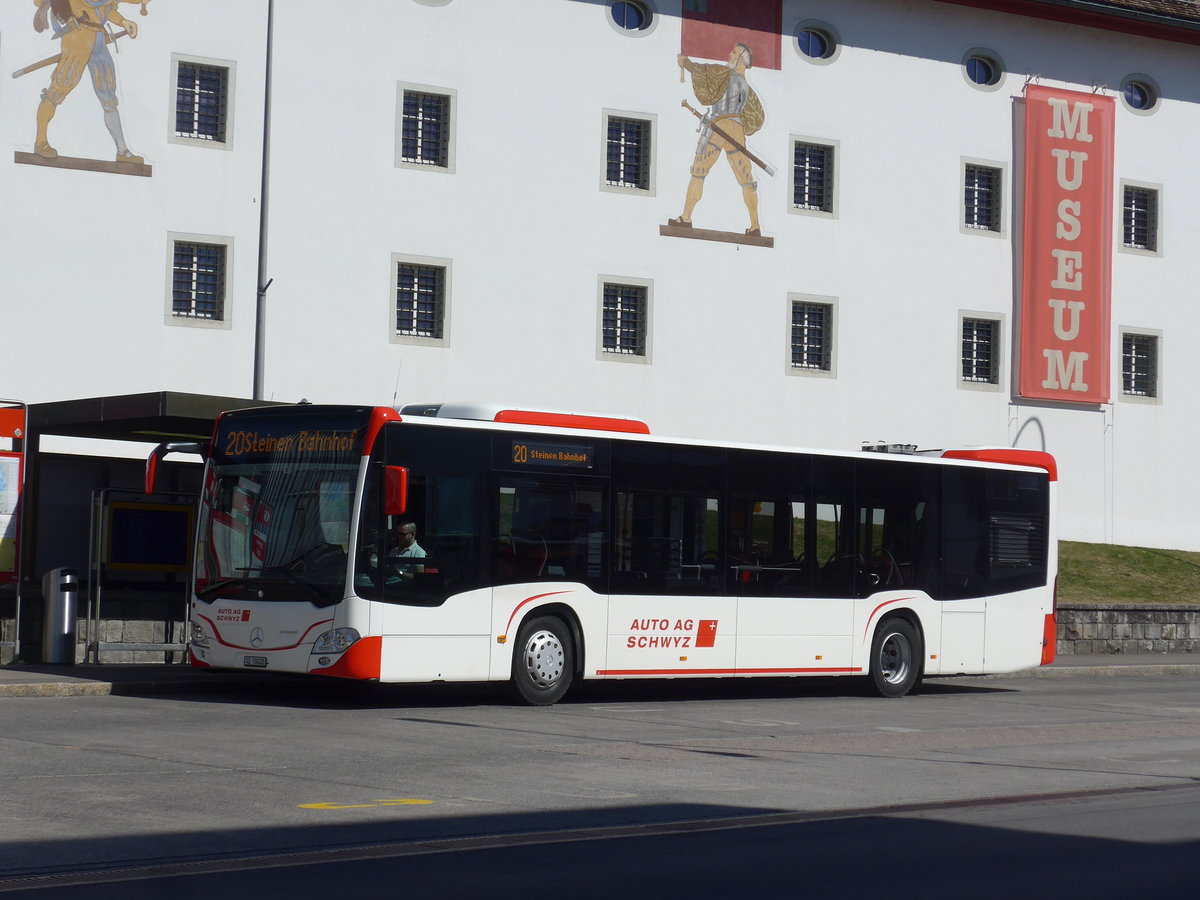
(1067, 272)
(712, 28)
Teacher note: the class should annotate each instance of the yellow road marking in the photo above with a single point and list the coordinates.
(396, 802)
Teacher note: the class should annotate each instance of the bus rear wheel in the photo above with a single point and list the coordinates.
(543, 662)
(896, 656)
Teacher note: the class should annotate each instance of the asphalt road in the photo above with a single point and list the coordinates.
(1039, 787)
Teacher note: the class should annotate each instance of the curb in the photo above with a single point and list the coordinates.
(77, 687)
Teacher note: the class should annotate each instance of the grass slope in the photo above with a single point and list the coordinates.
(1104, 573)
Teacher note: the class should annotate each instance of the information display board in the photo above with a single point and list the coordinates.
(149, 537)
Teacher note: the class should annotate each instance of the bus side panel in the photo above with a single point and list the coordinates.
(449, 642)
(1015, 629)
(795, 636)
(512, 604)
(667, 636)
(964, 628)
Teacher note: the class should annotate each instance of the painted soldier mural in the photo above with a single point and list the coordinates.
(85, 28)
(734, 114)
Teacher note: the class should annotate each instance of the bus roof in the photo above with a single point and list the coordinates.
(501, 417)
(515, 415)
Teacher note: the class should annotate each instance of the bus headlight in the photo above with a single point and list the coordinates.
(336, 641)
(199, 636)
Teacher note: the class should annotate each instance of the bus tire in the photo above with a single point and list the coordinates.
(543, 663)
(896, 656)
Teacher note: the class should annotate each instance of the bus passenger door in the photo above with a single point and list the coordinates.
(789, 621)
(668, 611)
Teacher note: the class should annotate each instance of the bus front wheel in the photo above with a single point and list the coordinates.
(896, 656)
(543, 662)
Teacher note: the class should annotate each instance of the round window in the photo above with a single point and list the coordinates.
(1140, 93)
(816, 41)
(631, 16)
(813, 43)
(982, 71)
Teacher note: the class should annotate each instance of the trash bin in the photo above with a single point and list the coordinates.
(60, 593)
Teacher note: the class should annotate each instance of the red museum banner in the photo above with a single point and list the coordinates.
(1067, 271)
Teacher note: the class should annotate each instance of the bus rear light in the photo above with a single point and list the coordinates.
(337, 641)
(1049, 640)
(1050, 629)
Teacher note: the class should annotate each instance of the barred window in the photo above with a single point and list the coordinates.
(420, 300)
(198, 281)
(812, 176)
(980, 351)
(812, 336)
(1139, 365)
(425, 129)
(201, 101)
(628, 153)
(1140, 218)
(982, 197)
(624, 314)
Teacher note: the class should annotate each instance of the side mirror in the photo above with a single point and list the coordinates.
(162, 450)
(395, 490)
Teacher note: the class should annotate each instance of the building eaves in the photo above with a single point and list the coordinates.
(1168, 20)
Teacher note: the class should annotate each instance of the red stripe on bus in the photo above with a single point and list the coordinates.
(517, 608)
(570, 420)
(877, 609)
(225, 643)
(789, 671)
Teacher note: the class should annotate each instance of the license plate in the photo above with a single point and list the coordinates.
(259, 661)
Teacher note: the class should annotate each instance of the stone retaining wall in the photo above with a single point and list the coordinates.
(1114, 628)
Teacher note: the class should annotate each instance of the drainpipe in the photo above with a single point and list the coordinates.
(260, 312)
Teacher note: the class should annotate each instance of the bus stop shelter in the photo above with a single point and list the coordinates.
(62, 491)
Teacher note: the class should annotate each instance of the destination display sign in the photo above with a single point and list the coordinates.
(325, 438)
(545, 454)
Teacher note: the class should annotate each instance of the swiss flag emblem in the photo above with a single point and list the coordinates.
(706, 635)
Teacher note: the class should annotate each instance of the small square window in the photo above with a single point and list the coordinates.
(812, 176)
(980, 351)
(624, 316)
(198, 282)
(812, 336)
(201, 96)
(420, 300)
(425, 128)
(1139, 365)
(1139, 218)
(203, 102)
(983, 188)
(627, 153)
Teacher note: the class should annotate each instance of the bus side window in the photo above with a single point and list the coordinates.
(548, 529)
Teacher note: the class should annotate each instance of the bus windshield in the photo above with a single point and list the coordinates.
(275, 516)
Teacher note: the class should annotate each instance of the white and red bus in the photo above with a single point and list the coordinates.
(561, 547)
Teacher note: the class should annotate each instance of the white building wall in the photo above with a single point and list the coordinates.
(528, 233)
(85, 258)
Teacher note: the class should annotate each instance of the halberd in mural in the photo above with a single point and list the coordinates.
(734, 113)
(85, 28)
